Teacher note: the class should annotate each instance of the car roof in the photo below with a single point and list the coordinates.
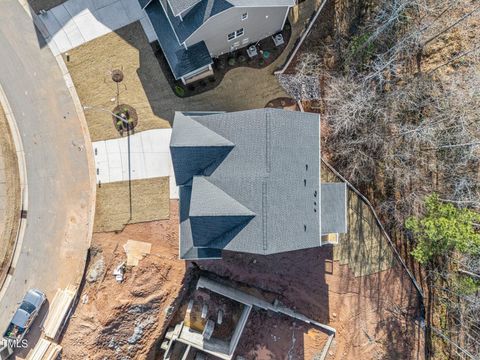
(20, 318)
(34, 297)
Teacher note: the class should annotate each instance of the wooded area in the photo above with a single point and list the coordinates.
(400, 106)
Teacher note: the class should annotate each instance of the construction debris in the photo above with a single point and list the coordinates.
(96, 271)
(136, 251)
(119, 272)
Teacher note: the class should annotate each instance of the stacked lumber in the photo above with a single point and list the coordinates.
(44, 350)
(59, 309)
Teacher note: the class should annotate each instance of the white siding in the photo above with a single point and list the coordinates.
(261, 22)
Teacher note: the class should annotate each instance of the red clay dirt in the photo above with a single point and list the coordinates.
(374, 315)
(123, 321)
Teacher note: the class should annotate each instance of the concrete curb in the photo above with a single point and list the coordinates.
(79, 109)
(22, 171)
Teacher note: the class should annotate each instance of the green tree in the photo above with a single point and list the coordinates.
(442, 229)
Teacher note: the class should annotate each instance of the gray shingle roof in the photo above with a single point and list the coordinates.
(182, 61)
(190, 22)
(334, 208)
(179, 6)
(269, 182)
(203, 148)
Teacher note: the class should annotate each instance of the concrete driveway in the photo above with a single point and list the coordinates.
(149, 158)
(76, 22)
(57, 235)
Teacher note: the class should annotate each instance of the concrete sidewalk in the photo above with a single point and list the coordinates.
(76, 22)
(149, 158)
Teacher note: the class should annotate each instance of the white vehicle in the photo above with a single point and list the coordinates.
(25, 315)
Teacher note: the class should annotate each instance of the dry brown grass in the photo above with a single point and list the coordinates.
(150, 201)
(90, 66)
(9, 195)
(364, 248)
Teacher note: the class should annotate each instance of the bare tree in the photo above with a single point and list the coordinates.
(304, 83)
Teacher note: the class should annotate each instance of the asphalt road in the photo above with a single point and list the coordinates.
(56, 237)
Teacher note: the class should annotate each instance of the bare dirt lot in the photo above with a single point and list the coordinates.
(9, 196)
(123, 321)
(267, 336)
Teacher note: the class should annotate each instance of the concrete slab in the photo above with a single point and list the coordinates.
(76, 22)
(149, 158)
(113, 16)
(148, 28)
(77, 7)
(61, 14)
(133, 9)
(89, 27)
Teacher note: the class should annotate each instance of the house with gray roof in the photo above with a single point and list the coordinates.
(192, 32)
(250, 181)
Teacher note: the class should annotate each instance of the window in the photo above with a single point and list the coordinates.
(235, 34)
(244, 16)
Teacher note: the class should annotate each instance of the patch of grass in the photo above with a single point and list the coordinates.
(90, 66)
(150, 202)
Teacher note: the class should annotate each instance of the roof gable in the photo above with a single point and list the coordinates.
(179, 6)
(208, 200)
(200, 12)
(195, 149)
(215, 217)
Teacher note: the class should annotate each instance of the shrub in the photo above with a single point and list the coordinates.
(261, 62)
(180, 91)
(231, 61)
(242, 59)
